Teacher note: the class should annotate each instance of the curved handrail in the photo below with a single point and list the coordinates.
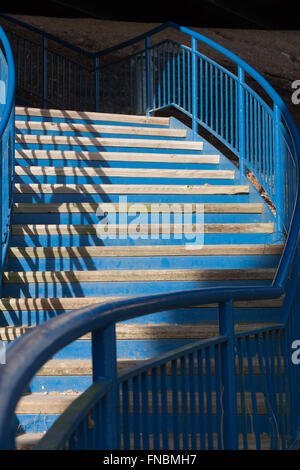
(7, 137)
(10, 96)
(37, 346)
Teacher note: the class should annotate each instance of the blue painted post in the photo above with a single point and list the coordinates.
(194, 89)
(105, 368)
(279, 172)
(148, 76)
(226, 328)
(97, 91)
(242, 122)
(45, 73)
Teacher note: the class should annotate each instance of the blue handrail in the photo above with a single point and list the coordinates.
(7, 144)
(32, 350)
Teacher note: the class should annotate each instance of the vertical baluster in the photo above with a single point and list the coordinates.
(164, 407)
(278, 170)
(253, 393)
(178, 78)
(136, 412)
(155, 409)
(175, 407)
(149, 91)
(216, 350)
(202, 414)
(231, 113)
(201, 89)
(259, 143)
(221, 104)
(164, 75)
(194, 89)
(209, 402)
(173, 74)
(259, 339)
(184, 404)
(247, 154)
(183, 79)
(280, 379)
(126, 417)
(168, 74)
(158, 77)
(216, 100)
(189, 80)
(154, 65)
(105, 366)
(226, 109)
(192, 394)
(242, 122)
(226, 328)
(145, 407)
(211, 96)
(251, 157)
(240, 356)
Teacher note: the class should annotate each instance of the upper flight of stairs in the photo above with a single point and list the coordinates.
(67, 164)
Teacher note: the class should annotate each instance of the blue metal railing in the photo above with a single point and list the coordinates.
(207, 379)
(7, 141)
(165, 74)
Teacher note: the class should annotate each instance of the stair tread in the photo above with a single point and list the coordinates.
(151, 275)
(123, 172)
(65, 229)
(56, 403)
(144, 250)
(116, 156)
(149, 332)
(27, 441)
(108, 142)
(98, 128)
(70, 303)
(130, 189)
(87, 207)
(90, 115)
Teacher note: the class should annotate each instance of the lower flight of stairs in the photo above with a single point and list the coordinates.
(70, 163)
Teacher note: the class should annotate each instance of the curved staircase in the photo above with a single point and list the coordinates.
(71, 165)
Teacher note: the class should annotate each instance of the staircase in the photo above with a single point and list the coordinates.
(69, 165)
